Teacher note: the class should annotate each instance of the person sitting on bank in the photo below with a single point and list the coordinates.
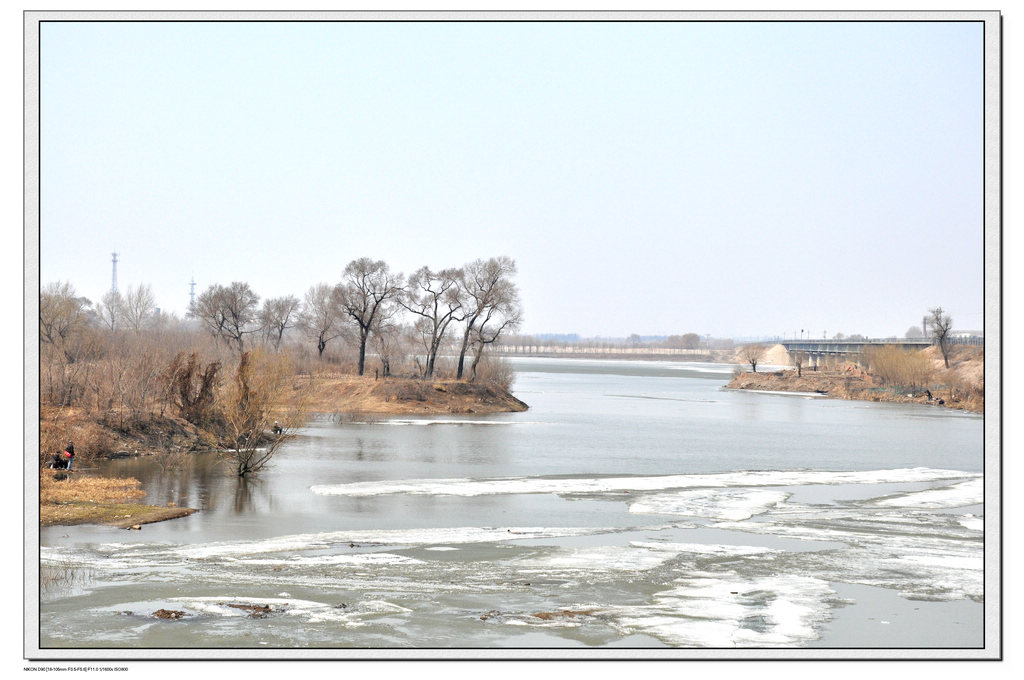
(63, 461)
(277, 428)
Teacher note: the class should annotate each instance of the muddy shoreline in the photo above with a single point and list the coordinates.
(852, 384)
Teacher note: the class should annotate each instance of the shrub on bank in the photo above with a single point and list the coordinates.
(906, 370)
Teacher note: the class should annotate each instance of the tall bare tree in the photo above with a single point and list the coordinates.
(486, 285)
(228, 312)
(390, 342)
(502, 316)
(752, 354)
(61, 312)
(278, 315)
(67, 344)
(110, 310)
(138, 306)
(366, 286)
(436, 298)
(322, 315)
(941, 324)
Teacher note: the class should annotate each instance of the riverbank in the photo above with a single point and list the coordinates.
(355, 395)
(77, 498)
(961, 386)
(102, 435)
(72, 498)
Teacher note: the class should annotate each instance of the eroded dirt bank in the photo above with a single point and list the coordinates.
(403, 396)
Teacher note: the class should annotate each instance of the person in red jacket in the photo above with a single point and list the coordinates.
(63, 461)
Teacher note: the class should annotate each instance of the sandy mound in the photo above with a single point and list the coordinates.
(776, 355)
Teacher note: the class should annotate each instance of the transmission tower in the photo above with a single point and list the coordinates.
(113, 282)
(191, 295)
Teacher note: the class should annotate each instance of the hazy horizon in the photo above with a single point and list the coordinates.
(657, 178)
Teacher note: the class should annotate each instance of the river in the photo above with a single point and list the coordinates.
(636, 505)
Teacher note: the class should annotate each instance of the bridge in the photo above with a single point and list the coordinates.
(823, 349)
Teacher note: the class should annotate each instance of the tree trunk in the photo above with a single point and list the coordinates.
(476, 362)
(462, 352)
(362, 349)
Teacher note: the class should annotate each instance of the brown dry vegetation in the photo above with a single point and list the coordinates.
(68, 498)
(153, 384)
(349, 394)
(918, 377)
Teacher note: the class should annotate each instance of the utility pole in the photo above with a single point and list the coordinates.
(113, 282)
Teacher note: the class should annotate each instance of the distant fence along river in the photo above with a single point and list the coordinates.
(843, 346)
(563, 350)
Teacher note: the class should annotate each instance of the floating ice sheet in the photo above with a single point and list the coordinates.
(595, 485)
(734, 504)
(970, 492)
(727, 610)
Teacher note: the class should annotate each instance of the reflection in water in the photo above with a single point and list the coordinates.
(191, 480)
(245, 489)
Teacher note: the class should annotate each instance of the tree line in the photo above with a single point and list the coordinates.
(371, 309)
(377, 310)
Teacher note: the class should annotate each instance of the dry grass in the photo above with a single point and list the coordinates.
(895, 366)
(347, 394)
(94, 489)
(68, 499)
(62, 576)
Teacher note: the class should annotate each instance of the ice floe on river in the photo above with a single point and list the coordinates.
(734, 504)
(965, 493)
(721, 593)
(597, 485)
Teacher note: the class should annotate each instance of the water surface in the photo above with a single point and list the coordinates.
(636, 504)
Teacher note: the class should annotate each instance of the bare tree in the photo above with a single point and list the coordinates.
(278, 315)
(485, 285)
(228, 312)
(110, 310)
(366, 286)
(752, 354)
(65, 342)
(389, 341)
(138, 306)
(322, 315)
(61, 312)
(434, 297)
(253, 401)
(503, 316)
(941, 324)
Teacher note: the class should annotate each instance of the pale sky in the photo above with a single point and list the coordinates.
(732, 179)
